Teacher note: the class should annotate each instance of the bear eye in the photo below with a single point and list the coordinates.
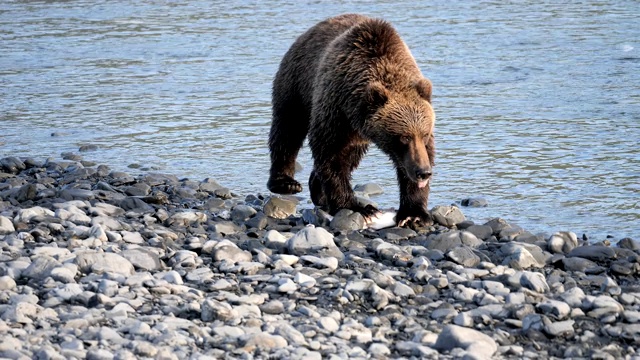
(405, 139)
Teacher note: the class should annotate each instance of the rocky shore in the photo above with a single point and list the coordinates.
(99, 264)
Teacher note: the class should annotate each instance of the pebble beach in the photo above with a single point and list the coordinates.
(101, 264)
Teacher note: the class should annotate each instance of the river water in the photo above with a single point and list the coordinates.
(537, 102)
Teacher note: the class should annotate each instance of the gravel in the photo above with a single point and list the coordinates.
(101, 264)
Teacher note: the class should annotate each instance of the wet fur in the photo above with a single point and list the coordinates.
(347, 82)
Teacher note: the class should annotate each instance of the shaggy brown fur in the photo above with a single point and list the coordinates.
(349, 81)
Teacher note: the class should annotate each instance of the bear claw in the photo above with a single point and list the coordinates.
(284, 185)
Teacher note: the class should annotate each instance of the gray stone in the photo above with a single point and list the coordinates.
(472, 341)
(273, 307)
(464, 256)
(241, 213)
(187, 218)
(315, 241)
(483, 232)
(521, 255)
(132, 237)
(578, 264)
(103, 262)
(316, 216)
(346, 220)
(143, 259)
(274, 240)
(12, 165)
(629, 243)
(562, 242)
(289, 333)
(497, 225)
(26, 192)
(530, 280)
(555, 309)
(99, 354)
(135, 204)
(329, 324)
(41, 267)
(328, 262)
(444, 241)
(264, 341)
(279, 208)
(228, 251)
(560, 328)
(447, 215)
(593, 252)
(379, 350)
(216, 310)
(573, 297)
(474, 202)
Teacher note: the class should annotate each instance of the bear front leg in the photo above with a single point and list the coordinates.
(330, 183)
(413, 209)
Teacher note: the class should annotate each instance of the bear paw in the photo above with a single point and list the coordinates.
(413, 221)
(283, 184)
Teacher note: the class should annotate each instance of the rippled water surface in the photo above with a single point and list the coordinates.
(537, 103)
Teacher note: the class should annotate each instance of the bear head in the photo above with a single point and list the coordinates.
(401, 123)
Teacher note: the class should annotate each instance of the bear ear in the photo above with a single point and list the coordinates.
(376, 94)
(424, 89)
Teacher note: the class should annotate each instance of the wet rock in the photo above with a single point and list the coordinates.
(562, 242)
(578, 264)
(474, 202)
(279, 208)
(12, 165)
(593, 252)
(316, 216)
(629, 243)
(497, 225)
(447, 215)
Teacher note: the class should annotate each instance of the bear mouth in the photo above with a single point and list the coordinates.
(423, 183)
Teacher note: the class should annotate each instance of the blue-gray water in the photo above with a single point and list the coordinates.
(537, 102)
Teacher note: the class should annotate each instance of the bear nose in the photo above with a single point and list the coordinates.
(423, 174)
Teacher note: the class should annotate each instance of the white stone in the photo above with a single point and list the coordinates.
(329, 324)
(6, 226)
(474, 342)
(103, 262)
(304, 280)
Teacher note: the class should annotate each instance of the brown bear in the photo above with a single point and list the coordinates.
(347, 82)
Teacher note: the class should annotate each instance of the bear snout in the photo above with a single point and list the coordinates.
(423, 174)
